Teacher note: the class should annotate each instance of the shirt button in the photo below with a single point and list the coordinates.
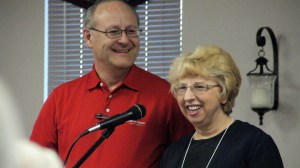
(107, 110)
(101, 84)
(110, 96)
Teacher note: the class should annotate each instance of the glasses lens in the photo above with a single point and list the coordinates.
(113, 33)
(200, 87)
(180, 88)
(132, 32)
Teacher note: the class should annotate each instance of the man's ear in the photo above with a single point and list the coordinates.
(87, 37)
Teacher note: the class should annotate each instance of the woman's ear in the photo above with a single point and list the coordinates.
(224, 99)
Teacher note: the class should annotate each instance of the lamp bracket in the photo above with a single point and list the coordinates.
(261, 63)
(261, 41)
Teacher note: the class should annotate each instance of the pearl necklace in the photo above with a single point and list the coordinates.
(214, 150)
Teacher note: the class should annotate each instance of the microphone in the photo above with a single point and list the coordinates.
(134, 113)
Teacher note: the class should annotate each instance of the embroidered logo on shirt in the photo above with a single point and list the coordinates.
(132, 122)
(136, 122)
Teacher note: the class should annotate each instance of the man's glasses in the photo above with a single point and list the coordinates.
(115, 33)
(197, 88)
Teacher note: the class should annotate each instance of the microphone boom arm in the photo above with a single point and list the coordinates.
(104, 136)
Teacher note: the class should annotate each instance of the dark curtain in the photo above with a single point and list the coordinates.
(87, 3)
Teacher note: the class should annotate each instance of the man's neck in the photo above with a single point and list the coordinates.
(111, 76)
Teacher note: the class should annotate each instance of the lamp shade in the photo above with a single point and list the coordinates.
(262, 91)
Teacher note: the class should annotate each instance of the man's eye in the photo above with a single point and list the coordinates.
(113, 31)
(131, 30)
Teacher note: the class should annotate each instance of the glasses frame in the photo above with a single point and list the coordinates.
(194, 90)
(138, 31)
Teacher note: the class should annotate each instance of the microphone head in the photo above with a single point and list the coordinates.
(138, 110)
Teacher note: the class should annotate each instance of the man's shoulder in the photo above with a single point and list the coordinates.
(73, 84)
(149, 76)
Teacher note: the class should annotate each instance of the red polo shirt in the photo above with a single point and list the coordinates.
(71, 108)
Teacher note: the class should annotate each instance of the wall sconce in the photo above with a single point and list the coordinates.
(263, 81)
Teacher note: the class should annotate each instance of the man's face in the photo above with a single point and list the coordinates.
(113, 53)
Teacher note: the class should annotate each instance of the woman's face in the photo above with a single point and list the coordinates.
(199, 100)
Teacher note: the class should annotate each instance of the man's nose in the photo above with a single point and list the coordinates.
(123, 37)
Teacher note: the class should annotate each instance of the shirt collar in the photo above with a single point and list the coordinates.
(131, 80)
(93, 79)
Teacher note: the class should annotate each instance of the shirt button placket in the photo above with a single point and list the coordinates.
(109, 99)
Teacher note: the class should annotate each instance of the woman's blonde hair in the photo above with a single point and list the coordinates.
(212, 62)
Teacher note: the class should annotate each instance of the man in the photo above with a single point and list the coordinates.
(113, 86)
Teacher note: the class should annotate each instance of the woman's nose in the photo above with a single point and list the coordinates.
(189, 94)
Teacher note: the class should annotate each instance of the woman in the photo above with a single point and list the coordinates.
(205, 84)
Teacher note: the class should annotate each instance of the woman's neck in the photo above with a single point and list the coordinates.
(214, 129)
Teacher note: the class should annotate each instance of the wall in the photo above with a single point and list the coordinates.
(22, 54)
(232, 25)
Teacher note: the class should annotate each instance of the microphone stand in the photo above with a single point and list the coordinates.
(104, 136)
